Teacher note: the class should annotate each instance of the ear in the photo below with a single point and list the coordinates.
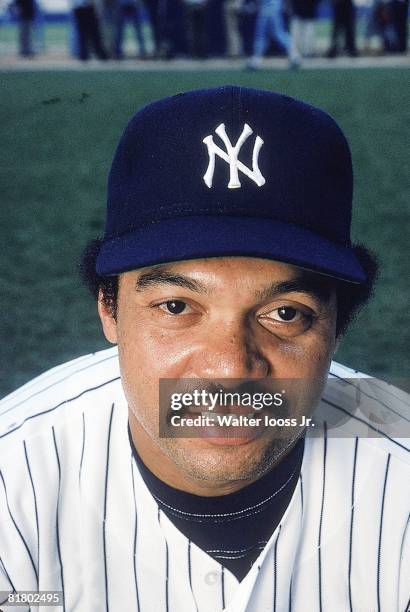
(108, 322)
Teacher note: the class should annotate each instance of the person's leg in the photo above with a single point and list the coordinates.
(214, 29)
(38, 28)
(277, 26)
(80, 20)
(151, 7)
(174, 32)
(200, 31)
(308, 49)
(233, 42)
(25, 49)
(236, 34)
(350, 25)
(400, 20)
(391, 32)
(119, 23)
(190, 30)
(139, 35)
(260, 40)
(366, 26)
(197, 50)
(94, 34)
(333, 50)
(87, 21)
(296, 32)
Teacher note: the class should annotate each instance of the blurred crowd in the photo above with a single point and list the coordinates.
(252, 29)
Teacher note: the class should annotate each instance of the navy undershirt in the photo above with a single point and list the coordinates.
(233, 528)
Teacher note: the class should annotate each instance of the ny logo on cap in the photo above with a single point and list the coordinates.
(231, 157)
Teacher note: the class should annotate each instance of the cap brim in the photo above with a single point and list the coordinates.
(198, 237)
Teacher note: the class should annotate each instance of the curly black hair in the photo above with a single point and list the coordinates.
(351, 297)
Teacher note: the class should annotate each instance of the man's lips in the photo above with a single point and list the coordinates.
(222, 410)
(213, 431)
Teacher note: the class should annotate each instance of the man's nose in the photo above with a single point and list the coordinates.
(231, 351)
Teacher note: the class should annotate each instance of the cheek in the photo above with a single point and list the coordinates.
(139, 365)
(149, 353)
(304, 358)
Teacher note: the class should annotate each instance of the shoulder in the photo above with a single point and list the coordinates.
(87, 383)
(360, 445)
(355, 405)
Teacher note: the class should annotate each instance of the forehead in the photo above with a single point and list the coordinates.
(233, 272)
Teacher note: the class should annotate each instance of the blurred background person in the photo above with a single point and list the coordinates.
(369, 26)
(88, 34)
(24, 11)
(377, 25)
(302, 26)
(385, 23)
(106, 11)
(39, 28)
(128, 11)
(344, 16)
(233, 12)
(269, 23)
(171, 29)
(152, 7)
(215, 28)
(400, 10)
(73, 40)
(196, 28)
(247, 20)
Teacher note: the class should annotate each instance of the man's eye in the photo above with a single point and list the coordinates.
(174, 307)
(285, 314)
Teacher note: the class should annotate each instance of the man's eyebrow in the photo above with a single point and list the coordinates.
(305, 283)
(159, 276)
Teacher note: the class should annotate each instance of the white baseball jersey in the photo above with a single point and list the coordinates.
(76, 515)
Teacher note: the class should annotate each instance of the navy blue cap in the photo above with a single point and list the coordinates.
(231, 171)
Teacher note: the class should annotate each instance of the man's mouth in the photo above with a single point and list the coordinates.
(221, 410)
(221, 414)
(232, 425)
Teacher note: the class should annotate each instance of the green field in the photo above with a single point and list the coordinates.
(56, 148)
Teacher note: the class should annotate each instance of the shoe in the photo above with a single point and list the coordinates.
(254, 63)
(294, 64)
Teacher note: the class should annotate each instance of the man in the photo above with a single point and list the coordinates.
(195, 14)
(302, 25)
(128, 10)
(226, 266)
(87, 28)
(26, 12)
(269, 22)
(400, 9)
(344, 22)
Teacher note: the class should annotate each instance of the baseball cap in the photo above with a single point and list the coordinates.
(231, 171)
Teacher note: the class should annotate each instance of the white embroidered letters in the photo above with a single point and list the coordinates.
(231, 157)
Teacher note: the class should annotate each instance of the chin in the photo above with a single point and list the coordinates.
(218, 464)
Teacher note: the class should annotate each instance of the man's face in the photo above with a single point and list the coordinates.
(218, 318)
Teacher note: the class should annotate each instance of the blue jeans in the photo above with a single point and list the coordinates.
(269, 22)
(133, 14)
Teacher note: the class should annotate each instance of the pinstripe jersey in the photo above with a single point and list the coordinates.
(75, 514)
